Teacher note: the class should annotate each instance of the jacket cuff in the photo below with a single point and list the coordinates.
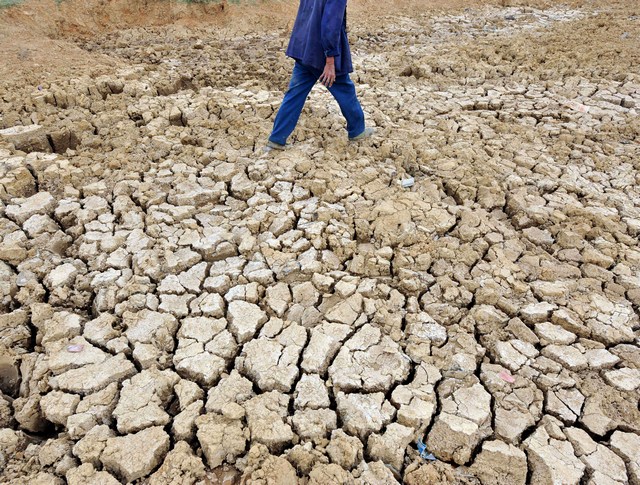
(332, 53)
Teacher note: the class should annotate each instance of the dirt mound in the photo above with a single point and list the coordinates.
(38, 39)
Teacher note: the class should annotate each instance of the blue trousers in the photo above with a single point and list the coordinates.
(302, 81)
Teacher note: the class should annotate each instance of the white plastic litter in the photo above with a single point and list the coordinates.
(407, 183)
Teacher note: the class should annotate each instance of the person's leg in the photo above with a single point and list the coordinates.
(345, 93)
(302, 81)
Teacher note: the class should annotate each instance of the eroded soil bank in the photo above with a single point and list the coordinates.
(178, 306)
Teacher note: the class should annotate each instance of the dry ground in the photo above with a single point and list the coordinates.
(178, 306)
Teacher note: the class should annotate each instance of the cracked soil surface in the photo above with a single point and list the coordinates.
(179, 307)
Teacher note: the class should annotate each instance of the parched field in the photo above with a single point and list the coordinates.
(178, 306)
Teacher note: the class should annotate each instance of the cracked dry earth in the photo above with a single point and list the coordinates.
(179, 307)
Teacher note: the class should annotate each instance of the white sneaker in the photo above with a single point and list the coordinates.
(367, 133)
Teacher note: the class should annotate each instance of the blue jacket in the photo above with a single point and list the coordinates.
(320, 31)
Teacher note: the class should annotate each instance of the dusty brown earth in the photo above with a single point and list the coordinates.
(179, 307)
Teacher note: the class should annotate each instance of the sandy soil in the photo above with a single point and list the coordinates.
(179, 306)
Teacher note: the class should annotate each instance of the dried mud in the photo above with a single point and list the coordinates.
(179, 306)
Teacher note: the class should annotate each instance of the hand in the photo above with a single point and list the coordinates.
(328, 76)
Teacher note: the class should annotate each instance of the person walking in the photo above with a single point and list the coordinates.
(320, 48)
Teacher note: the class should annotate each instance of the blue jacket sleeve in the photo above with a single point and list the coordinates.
(332, 19)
